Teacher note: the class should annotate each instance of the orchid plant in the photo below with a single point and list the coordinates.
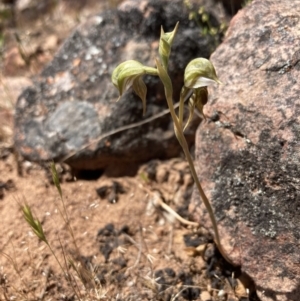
(199, 73)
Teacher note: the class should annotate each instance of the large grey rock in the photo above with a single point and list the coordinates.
(248, 153)
(73, 102)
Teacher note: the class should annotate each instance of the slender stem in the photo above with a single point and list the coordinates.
(150, 70)
(181, 109)
(184, 95)
(68, 223)
(65, 273)
(195, 177)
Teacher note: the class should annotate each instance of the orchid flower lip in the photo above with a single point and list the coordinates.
(200, 82)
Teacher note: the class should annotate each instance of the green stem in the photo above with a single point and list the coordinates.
(181, 138)
(195, 177)
(184, 95)
(181, 109)
(151, 71)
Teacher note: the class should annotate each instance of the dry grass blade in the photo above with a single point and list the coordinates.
(14, 263)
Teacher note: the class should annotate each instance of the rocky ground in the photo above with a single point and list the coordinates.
(116, 242)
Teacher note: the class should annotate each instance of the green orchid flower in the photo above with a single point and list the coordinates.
(130, 74)
(199, 74)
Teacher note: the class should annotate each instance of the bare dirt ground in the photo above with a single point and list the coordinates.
(125, 246)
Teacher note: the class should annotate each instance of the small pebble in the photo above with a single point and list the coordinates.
(205, 296)
(162, 174)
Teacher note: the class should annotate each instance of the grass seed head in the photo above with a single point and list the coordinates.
(35, 224)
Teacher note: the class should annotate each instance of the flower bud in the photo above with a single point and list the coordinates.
(165, 44)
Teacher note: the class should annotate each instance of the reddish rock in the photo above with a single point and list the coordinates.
(248, 151)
